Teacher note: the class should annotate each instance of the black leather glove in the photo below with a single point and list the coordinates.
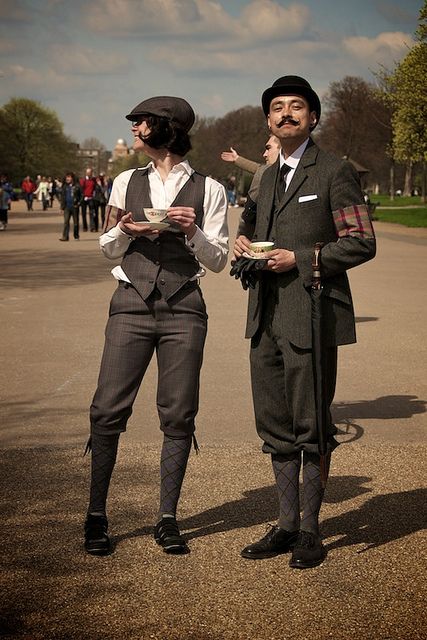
(247, 270)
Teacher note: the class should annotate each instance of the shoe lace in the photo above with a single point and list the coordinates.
(305, 540)
(168, 527)
(271, 530)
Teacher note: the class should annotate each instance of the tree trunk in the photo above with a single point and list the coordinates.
(407, 190)
(392, 189)
(423, 183)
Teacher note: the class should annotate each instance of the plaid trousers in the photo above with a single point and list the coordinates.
(176, 331)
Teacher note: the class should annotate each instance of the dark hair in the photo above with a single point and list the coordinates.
(70, 173)
(165, 134)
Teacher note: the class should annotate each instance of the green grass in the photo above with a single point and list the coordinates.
(399, 201)
(408, 217)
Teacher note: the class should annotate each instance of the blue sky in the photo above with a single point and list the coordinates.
(92, 61)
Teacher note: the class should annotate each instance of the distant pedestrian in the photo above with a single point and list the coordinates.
(87, 185)
(28, 187)
(51, 190)
(71, 196)
(231, 188)
(99, 201)
(42, 192)
(6, 191)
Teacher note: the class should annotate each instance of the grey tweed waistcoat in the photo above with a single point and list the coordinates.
(166, 262)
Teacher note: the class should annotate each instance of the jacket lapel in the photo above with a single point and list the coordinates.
(308, 158)
(268, 190)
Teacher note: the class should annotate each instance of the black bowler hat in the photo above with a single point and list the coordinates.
(175, 109)
(291, 85)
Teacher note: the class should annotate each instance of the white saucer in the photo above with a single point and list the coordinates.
(247, 255)
(156, 226)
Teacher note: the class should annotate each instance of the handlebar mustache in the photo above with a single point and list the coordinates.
(288, 120)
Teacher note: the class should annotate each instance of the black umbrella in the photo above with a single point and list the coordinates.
(318, 349)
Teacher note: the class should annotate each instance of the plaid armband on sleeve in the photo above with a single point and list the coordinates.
(353, 221)
(113, 215)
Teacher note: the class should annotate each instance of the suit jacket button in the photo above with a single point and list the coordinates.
(162, 282)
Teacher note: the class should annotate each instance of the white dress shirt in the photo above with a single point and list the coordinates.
(292, 161)
(210, 242)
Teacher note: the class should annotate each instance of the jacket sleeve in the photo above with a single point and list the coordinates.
(355, 239)
(247, 165)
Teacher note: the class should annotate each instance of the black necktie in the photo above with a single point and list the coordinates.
(281, 183)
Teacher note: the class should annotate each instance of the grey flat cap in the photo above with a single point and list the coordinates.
(175, 109)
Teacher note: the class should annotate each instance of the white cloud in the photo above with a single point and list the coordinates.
(269, 59)
(266, 19)
(214, 102)
(71, 58)
(385, 48)
(154, 17)
(13, 10)
(7, 46)
(26, 78)
(259, 19)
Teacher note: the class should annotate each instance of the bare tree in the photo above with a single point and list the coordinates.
(357, 124)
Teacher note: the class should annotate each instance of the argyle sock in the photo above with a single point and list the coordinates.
(286, 470)
(313, 492)
(104, 453)
(173, 463)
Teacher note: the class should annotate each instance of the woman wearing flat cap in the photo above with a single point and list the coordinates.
(308, 196)
(157, 307)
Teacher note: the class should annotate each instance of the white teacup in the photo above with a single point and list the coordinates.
(155, 215)
(261, 247)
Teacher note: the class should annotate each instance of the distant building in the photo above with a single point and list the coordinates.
(95, 158)
(121, 150)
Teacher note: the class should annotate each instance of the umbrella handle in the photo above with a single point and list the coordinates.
(316, 282)
(324, 469)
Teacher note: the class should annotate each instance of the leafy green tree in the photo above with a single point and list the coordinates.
(406, 93)
(32, 141)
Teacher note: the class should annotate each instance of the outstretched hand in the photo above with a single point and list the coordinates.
(229, 156)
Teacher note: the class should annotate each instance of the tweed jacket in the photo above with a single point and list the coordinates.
(323, 203)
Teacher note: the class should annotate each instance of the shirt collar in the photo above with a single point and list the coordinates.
(293, 160)
(181, 167)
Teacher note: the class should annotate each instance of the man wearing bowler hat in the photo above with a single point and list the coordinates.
(307, 196)
(157, 307)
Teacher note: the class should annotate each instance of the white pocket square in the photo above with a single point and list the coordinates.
(307, 198)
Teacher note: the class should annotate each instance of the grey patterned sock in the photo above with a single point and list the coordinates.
(313, 492)
(173, 463)
(104, 453)
(286, 470)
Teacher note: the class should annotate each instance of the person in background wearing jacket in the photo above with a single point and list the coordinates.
(6, 191)
(87, 185)
(28, 187)
(71, 196)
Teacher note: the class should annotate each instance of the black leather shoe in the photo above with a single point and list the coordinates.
(308, 551)
(97, 541)
(166, 534)
(275, 542)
